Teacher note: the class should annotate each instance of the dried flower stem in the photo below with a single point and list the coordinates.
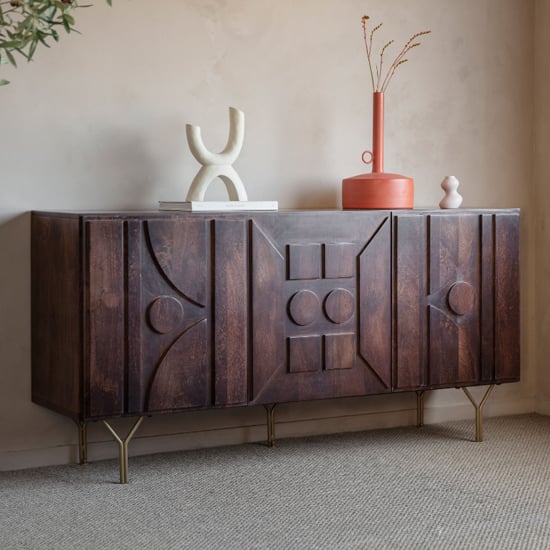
(379, 84)
(364, 24)
(379, 68)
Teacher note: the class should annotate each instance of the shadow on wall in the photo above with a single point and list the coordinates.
(15, 300)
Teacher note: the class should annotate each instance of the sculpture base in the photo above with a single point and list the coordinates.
(378, 191)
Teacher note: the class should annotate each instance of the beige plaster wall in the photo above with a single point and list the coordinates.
(99, 120)
(541, 196)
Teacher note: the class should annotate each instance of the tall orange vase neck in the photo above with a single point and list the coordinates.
(378, 190)
(378, 132)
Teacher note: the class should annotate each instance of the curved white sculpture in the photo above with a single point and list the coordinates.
(218, 165)
(452, 198)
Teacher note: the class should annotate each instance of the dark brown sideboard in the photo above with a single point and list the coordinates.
(135, 314)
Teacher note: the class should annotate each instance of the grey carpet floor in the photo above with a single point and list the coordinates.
(386, 489)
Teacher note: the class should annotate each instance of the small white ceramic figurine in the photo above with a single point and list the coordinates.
(218, 165)
(452, 198)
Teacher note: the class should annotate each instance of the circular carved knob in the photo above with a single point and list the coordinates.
(165, 314)
(339, 305)
(304, 307)
(461, 298)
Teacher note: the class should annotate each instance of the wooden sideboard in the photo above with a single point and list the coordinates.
(139, 313)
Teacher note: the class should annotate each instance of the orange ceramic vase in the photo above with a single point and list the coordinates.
(378, 190)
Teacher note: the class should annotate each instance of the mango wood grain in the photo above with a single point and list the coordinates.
(149, 313)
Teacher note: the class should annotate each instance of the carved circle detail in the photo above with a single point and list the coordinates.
(339, 305)
(304, 307)
(461, 298)
(165, 314)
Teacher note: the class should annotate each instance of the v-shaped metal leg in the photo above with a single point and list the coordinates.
(479, 410)
(270, 411)
(420, 408)
(82, 442)
(123, 447)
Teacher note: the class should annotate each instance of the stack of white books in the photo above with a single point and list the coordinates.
(218, 206)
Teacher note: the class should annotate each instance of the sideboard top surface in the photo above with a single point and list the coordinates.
(248, 213)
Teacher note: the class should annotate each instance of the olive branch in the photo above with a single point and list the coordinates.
(381, 81)
(24, 24)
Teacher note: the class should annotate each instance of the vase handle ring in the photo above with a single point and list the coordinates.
(370, 159)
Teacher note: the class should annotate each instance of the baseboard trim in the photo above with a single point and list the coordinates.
(542, 406)
(256, 433)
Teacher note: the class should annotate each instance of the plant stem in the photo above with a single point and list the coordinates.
(368, 50)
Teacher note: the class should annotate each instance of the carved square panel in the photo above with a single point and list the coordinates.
(304, 261)
(304, 353)
(339, 260)
(340, 351)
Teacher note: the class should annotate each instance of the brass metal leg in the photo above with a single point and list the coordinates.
(420, 408)
(270, 410)
(83, 443)
(479, 410)
(123, 447)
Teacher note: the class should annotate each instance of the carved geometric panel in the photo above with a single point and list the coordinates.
(339, 306)
(454, 325)
(461, 298)
(180, 250)
(182, 378)
(304, 353)
(168, 303)
(304, 261)
(193, 304)
(304, 307)
(375, 320)
(340, 351)
(339, 260)
(320, 333)
(439, 265)
(165, 314)
(268, 271)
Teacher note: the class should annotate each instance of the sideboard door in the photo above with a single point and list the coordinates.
(147, 322)
(321, 305)
(167, 314)
(169, 308)
(189, 305)
(457, 299)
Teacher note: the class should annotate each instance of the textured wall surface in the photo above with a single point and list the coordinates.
(541, 198)
(98, 122)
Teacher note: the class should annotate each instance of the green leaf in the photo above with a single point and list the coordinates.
(26, 24)
(10, 57)
(32, 49)
(9, 44)
(3, 82)
(66, 25)
(42, 41)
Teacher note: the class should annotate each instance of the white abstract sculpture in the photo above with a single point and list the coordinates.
(452, 198)
(218, 165)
